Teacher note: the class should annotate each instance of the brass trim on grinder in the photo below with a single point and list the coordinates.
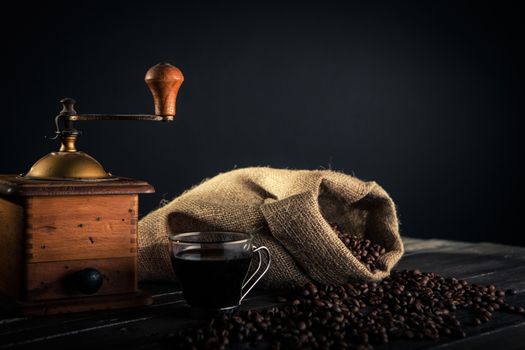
(67, 166)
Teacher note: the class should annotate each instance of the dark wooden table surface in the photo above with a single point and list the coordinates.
(147, 327)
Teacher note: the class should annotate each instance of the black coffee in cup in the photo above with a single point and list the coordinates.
(211, 278)
(212, 267)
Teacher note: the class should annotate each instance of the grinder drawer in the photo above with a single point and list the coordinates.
(77, 278)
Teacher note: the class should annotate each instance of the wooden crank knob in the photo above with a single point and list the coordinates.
(164, 81)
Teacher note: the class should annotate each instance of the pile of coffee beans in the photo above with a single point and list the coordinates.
(364, 250)
(408, 304)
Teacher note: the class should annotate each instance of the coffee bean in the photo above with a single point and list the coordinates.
(461, 333)
(311, 288)
(318, 302)
(510, 292)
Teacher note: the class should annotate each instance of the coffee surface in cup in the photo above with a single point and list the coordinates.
(211, 278)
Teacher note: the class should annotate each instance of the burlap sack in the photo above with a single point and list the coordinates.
(290, 212)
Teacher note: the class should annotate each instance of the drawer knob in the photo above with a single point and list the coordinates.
(88, 281)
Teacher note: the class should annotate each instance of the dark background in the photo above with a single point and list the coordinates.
(422, 97)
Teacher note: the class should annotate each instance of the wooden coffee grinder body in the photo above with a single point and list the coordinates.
(68, 228)
(67, 247)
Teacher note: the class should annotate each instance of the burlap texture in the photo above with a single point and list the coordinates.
(290, 212)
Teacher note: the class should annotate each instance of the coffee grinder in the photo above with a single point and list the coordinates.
(68, 228)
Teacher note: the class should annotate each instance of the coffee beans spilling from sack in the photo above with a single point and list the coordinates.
(408, 304)
(363, 249)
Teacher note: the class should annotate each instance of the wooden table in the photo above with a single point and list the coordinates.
(147, 327)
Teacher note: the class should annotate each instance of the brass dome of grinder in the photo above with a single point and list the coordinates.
(67, 166)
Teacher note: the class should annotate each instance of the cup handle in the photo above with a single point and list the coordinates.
(258, 250)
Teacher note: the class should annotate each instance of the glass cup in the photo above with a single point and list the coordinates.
(212, 267)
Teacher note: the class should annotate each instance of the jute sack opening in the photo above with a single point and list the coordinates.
(290, 212)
